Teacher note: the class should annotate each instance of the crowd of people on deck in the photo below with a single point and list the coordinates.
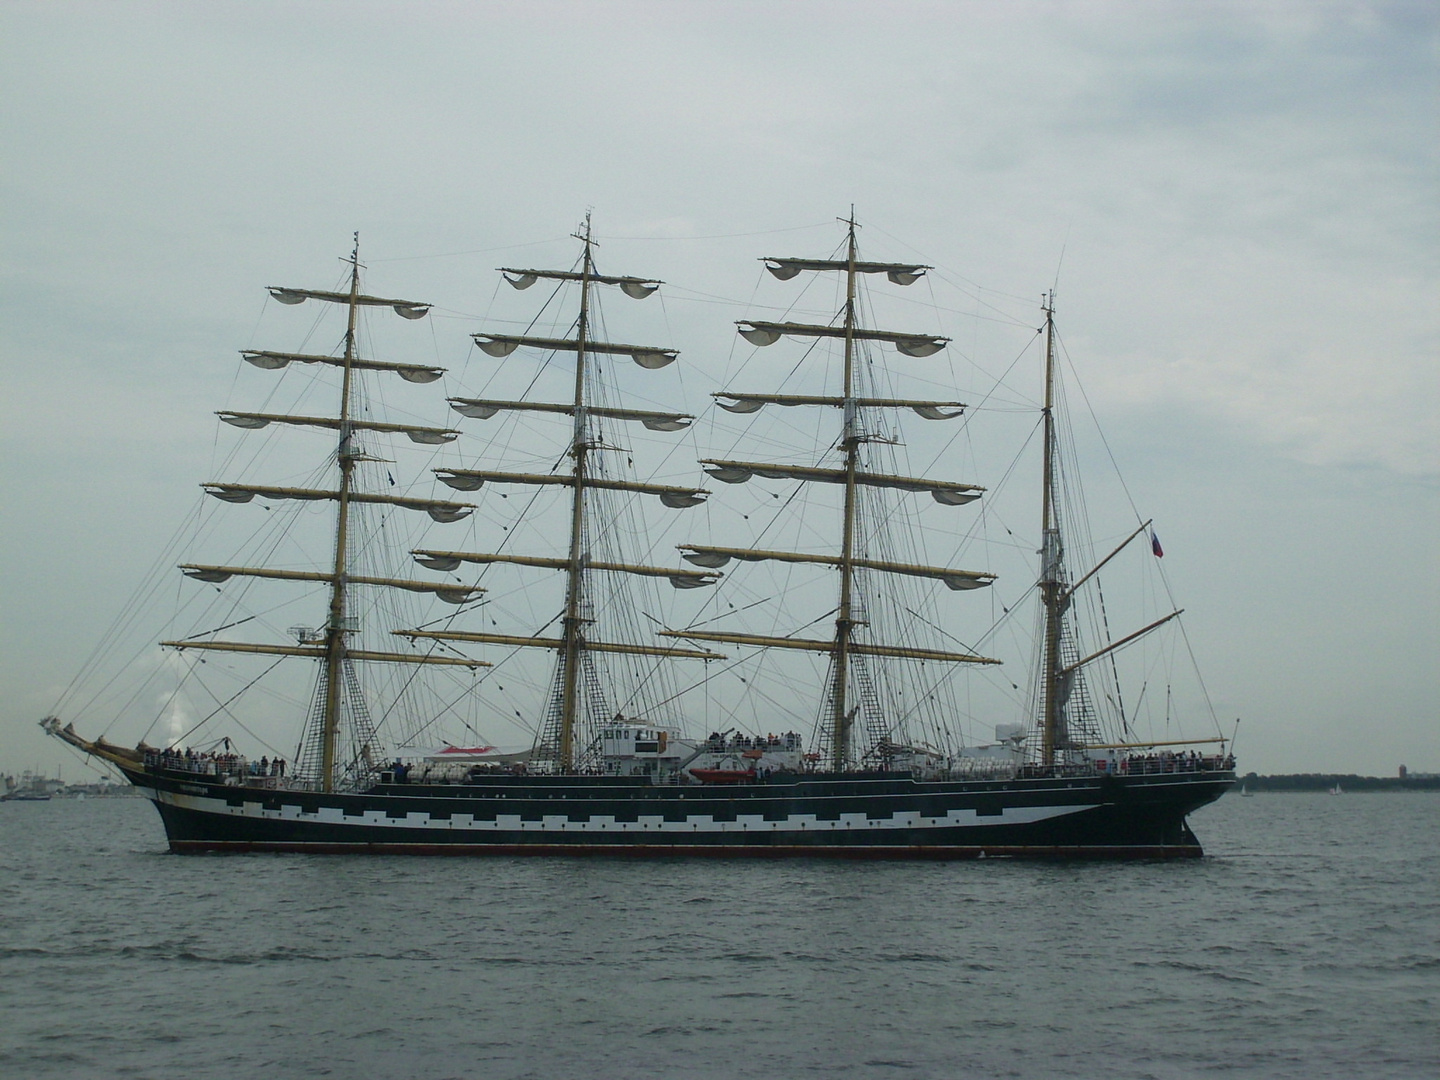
(736, 741)
(211, 763)
(1167, 762)
(1164, 761)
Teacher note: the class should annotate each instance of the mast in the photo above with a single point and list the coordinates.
(1054, 597)
(572, 634)
(330, 647)
(1059, 675)
(335, 631)
(840, 720)
(845, 648)
(573, 695)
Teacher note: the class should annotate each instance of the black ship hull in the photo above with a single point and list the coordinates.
(882, 815)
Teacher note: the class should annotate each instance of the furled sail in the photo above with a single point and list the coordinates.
(484, 409)
(505, 344)
(597, 607)
(749, 403)
(273, 361)
(633, 287)
(858, 648)
(447, 561)
(338, 695)
(738, 472)
(438, 509)
(318, 652)
(716, 557)
(410, 309)
(473, 479)
(850, 686)
(559, 643)
(427, 435)
(898, 273)
(451, 594)
(767, 333)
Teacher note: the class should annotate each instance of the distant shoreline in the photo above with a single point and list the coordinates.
(1323, 782)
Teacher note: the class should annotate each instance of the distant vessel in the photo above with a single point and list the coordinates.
(1337, 790)
(31, 787)
(597, 780)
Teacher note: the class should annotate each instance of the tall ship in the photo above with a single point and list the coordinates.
(620, 758)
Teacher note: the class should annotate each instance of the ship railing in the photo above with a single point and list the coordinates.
(1133, 765)
(227, 767)
(730, 741)
(973, 769)
(1155, 764)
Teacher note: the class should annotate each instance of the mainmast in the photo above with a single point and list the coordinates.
(1054, 596)
(584, 478)
(573, 624)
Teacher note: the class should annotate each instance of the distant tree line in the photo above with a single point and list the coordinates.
(1346, 781)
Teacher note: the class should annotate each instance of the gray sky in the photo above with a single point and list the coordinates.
(1244, 194)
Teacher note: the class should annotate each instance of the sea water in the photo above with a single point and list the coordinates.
(1306, 944)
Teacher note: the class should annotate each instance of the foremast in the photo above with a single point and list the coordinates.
(335, 628)
(844, 649)
(332, 648)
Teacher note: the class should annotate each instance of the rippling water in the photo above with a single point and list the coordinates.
(1306, 945)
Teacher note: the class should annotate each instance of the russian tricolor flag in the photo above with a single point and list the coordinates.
(1155, 545)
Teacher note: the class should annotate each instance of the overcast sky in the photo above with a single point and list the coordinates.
(1245, 196)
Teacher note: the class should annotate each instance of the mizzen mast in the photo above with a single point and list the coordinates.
(1052, 586)
(843, 648)
(573, 624)
(840, 719)
(1060, 676)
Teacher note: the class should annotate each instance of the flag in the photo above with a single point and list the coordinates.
(1155, 545)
